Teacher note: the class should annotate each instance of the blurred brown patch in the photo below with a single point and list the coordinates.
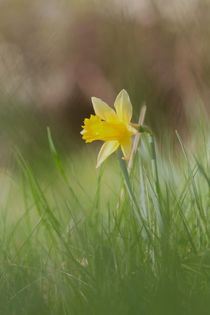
(64, 54)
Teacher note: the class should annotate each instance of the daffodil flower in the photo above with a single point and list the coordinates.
(113, 127)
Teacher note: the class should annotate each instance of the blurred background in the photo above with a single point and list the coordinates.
(56, 54)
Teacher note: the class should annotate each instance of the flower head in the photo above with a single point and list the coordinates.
(113, 127)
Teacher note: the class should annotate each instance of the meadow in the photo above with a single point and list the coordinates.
(129, 237)
(76, 240)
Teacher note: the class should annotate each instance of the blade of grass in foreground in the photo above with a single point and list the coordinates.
(136, 208)
(59, 165)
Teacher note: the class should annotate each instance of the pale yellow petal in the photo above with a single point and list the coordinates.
(106, 150)
(123, 106)
(103, 110)
(126, 149)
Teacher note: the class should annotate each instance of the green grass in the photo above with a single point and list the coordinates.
(71, 245)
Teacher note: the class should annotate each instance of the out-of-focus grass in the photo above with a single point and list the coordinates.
(70, 245)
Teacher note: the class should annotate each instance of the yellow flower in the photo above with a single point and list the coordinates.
(114, 128)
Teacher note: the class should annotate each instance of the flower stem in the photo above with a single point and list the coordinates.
(133, 152)
(137, 138)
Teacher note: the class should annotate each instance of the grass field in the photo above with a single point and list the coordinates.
(76, 240)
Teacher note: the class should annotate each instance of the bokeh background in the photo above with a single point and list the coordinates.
(56, 54)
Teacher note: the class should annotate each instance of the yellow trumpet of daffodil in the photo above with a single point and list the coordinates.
(113, 127)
